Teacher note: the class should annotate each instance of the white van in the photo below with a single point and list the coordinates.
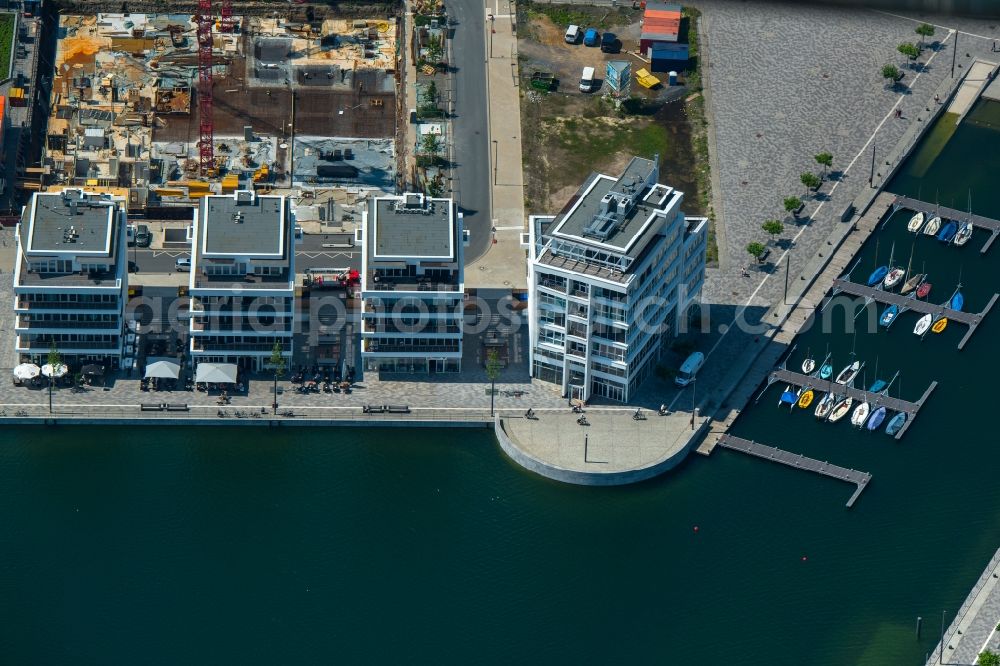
(587, 79)
(689, 369)
(572, 34)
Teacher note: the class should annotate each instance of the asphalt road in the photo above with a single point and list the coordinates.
(470, 125)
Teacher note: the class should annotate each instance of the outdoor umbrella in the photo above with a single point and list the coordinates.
(163, 369)
(26, 371)
(54, 371)
(92, 369)
(216, 373)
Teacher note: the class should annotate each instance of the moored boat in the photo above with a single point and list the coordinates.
(841, 409)
(877, 275)
(848, 373)
(824, 406)
(933, 226)
(923, 324)
(911, 284)
(895, 424)
(825, 371)
(917, 221)
(860, 414)
(788, 397)
(948, 231)
(924, 289)
(893, 278)
(806, 399)
(876, 418)
(964, 234)
(808, 366)
(889, 315)
(877, 386)
(957, 301)
(939, 325)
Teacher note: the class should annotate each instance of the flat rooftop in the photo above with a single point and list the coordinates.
(579, 219)
(61, 223)
(244, 224)
(413, 226)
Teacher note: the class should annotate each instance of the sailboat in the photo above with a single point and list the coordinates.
(827, 370)
(860, 414)
(877, 275)
(923, 324)
(964, 234)
(806, 398)
(924, 289)
(788, 397)
(808, 365)
(939, 325)
(948, 231)
(825, 405)
(893, 277)
(877, 385)
(841, 409)
(849, 373)
(888, 315)
(933, 226)
(917, 221)
(957, 301)
(895, 424)
(911, 284)
(876, 418)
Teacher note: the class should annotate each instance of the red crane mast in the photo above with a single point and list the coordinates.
(205, 124)
(228, 21)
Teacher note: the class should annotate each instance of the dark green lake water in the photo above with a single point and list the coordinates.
(302, 546)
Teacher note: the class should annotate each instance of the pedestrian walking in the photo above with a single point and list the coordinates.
(937, 98)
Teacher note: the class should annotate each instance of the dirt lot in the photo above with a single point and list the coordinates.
(567, 134)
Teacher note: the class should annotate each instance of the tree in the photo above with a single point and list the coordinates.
(430, 145)
(924, 30)
(773, 227)
(492, 373)
(435, 51)
(909, 49)
(891, 73)
(757, 251)
(431, 93)
(825, 160)
(792, 205)
(278, 366)
(810, 180)
(988, 658)
(55, 362)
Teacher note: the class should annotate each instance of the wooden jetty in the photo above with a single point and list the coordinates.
(859, 479)
(951, 214)
(970, 319)
(781, 375)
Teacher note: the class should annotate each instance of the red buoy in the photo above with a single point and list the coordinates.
(695, 528)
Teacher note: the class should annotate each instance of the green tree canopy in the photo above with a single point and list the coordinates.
(55, 358)
(430, 144)
(891, 73)
(756, 250)
(792, 204)
(924, 30)
(431, 93)
(988, 658)
(909, 49)
(773, 227)
(810, 180)
(277, 359)
(825, 159)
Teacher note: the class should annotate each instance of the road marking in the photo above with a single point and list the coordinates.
(936, 25)
(864, 149)
(518, 228)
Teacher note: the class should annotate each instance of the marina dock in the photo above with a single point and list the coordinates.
(970, 319)
(952, 214)
(859, 479)
(826, 386)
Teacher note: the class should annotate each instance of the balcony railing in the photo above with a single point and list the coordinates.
(203, 345)
(554, 285)
(24, 303)
(382, 348)
(66, 345)
(427, 327)
(42, 323)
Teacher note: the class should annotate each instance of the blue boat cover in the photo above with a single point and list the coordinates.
(877, 275)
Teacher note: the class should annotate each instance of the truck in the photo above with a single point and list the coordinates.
(689, 369)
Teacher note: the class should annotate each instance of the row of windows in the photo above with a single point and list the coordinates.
(73, 298)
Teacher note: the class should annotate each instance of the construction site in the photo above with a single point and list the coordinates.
(163, 109)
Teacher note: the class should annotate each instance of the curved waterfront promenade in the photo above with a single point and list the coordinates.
(613, 450)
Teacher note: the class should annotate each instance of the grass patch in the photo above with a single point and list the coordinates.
(587, 144)
(581, 15)
(6, 43)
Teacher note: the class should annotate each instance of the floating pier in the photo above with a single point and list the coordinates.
(970, 319)
(859, 479)
(827, 386)
(951, 214)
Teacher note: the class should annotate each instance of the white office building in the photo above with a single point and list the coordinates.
(71, 278)
(242, 283)
(609, 278)
(412, 285)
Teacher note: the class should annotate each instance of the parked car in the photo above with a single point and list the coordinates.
(610, 43)
(572, 34)
(183, 264)
(130, 234)
(591, 37)
(143, 237)
(587, 79)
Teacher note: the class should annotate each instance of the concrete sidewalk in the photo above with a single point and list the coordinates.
(503, 265)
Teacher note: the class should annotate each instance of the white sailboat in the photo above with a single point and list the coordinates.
(923, 324)
(917, 221)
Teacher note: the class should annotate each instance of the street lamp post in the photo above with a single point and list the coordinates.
(496, 160)
(788, 263)
(694, 383)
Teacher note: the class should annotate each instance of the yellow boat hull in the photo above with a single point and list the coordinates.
(939, 325)
(806, 399)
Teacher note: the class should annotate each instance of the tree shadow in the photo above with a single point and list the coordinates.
(835, 175)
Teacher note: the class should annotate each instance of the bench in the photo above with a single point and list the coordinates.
(373, 409)
(177, 408)
(398, 409)
(150, 407)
